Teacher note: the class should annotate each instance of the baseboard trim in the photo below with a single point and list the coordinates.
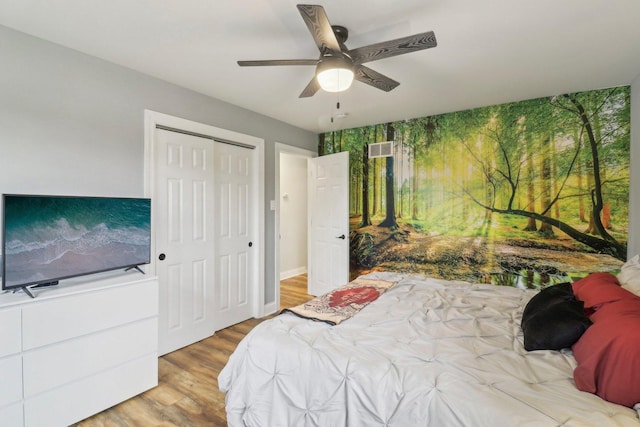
(293, 272)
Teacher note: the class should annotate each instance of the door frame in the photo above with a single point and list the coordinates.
(281, 148)
(153, 119)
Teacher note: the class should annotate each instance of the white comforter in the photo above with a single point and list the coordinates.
(427, 353)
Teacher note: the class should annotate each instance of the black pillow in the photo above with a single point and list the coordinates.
(556, 327)
(553, 319)
(546, 297)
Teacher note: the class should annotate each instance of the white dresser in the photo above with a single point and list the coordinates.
(77, 349)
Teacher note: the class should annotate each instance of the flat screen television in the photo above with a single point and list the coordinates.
(50, 238)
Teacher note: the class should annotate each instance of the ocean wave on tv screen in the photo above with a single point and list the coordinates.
(49, 242)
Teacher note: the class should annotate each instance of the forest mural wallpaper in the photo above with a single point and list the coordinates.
(527, 193)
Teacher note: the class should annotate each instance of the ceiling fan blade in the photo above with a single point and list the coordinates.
(311, 88)
(278, 62)
(319, 27)
(375, 79)
(393, 47)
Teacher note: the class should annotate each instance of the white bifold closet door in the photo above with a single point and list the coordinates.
(202, 234)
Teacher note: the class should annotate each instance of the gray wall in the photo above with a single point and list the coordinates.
(74, 124)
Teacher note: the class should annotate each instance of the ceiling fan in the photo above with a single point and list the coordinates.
(342, 64)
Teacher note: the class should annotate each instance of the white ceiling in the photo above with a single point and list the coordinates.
(489, 51)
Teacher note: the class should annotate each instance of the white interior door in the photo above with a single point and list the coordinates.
(328, 239)
(234, 234)
(184, 213)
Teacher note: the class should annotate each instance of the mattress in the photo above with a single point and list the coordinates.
(428, 352)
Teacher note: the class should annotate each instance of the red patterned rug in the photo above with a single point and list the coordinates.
(342, 303)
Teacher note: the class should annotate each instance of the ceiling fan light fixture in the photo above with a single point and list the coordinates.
(334, 74)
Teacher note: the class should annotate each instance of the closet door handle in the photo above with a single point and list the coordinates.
(341, 237)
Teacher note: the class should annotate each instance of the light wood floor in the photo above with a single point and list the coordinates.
(187, 393)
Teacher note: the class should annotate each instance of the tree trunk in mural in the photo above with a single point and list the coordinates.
(591, 228)
(374, 204)
(597, 202)
(398, 152)
(353, 195)
(545, 183)
(390, 219)
(358, 209)
(488, 193)
(554, 174)
(531, 201)
(379, 175)
(606, 208)
(321, 140)
(414, 185)
(374, 175)
(366, 219)
(580, 177)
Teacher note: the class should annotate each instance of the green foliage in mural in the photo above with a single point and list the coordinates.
(534, 187)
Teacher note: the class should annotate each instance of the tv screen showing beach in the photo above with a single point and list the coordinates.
(48, 238)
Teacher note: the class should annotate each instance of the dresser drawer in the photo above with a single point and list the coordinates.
(52, 366)
(87, 313)
(10, 331)
(10, 380)
(78, 400)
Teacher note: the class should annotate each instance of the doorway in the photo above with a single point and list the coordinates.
(290, 221)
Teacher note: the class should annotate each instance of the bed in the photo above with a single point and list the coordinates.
(427, 352)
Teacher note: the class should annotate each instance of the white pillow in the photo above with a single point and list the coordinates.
(629, 276)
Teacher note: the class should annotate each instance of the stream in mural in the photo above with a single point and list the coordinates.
(527, 194)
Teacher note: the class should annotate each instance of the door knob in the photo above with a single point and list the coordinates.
(161, 257)
(341, 237)
(250, 244)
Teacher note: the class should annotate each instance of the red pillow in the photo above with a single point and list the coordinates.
(598, 289)
(608, 353)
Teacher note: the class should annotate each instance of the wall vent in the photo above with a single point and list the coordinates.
(381, 149)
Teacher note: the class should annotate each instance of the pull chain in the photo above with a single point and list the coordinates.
(337, 107)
